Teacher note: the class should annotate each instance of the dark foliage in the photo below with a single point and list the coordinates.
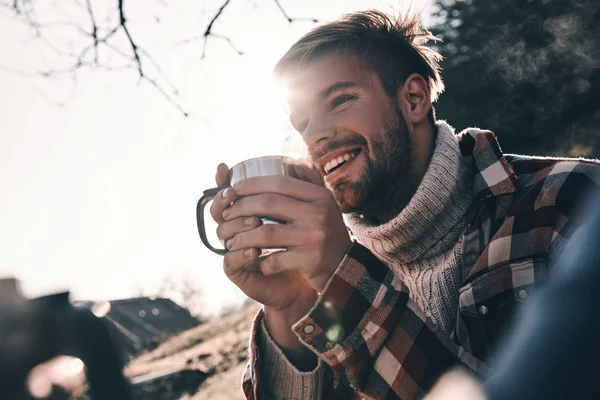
(529, 70)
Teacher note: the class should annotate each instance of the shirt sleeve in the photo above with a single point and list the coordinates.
(375, 339)
(368, 332)
(279, 378)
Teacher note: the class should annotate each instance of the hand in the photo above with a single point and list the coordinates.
(286, 295)
(314, 234)
(278, 292)
(457, 384)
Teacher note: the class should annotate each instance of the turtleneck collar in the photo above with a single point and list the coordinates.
(434, 218)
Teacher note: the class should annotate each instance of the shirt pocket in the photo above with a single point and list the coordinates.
(513, 281)
(489, 303)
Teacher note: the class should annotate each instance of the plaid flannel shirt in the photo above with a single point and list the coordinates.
(376, 342)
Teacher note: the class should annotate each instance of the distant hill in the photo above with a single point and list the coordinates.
(139, 324)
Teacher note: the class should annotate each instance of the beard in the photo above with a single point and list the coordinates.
(386, 186)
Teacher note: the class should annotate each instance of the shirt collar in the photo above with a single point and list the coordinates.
(493, 176)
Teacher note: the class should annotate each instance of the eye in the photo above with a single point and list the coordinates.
(338, 101)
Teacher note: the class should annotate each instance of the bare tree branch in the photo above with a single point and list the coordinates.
(290, 19)
(134, 47)
(160, 72)
(92, 43)
(209, 32)
(225, 38)
(209, 29)
(99, 37)
(94, 33)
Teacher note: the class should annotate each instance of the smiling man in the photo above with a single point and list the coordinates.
(409, 248)
(367, 160)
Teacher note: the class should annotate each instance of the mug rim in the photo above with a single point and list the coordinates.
(283, 162)
(285, 159)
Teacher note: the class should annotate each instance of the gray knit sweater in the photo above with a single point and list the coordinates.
(420, 245)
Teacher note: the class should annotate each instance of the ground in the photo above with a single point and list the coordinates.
(205, 362)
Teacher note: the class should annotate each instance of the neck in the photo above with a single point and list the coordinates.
(431, 221)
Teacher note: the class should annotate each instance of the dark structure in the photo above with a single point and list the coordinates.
(140, 324)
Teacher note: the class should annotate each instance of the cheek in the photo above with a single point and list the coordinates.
(363, 119)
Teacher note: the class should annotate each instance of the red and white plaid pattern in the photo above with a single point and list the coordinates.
(376, 342)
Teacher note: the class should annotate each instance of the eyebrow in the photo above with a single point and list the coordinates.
(325, 93)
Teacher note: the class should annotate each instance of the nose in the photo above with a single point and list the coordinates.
(318, 131)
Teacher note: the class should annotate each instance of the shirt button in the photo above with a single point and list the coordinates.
(308, 329)
(523, 294)
(483, 310)
(329, 345)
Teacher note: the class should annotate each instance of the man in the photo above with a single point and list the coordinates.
(447, 237)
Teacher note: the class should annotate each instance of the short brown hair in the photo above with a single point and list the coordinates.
(393, 48)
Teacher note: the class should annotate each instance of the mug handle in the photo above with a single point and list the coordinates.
(207, 196)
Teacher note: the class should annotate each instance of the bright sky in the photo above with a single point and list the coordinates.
(98, 196)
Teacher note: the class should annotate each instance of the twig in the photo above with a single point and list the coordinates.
(160, 72)
(209, 32)
(215, 18)
(209, 29)
(166, 95)
(94, 33)
(292, 20)
(138, 61)
(225, 38)
(101, 36)
(134, 47)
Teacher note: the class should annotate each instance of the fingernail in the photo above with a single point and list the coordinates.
(225, 213)
(249, 221)
(248, 253)
(225, 192)
(230, 244)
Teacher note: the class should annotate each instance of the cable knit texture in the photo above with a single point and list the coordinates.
(420, 245)
(282, 379)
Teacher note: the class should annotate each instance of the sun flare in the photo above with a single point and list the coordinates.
(260, 123)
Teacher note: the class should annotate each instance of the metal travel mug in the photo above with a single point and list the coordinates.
(260, 166)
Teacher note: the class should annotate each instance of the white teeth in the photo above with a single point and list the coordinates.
(331, 164)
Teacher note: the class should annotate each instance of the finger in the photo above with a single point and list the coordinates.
(235, 262)
(269, 205)
(222, 175)
(284, 185)
(229, 229)
(221, 201)
(279, 262)
(268, 236)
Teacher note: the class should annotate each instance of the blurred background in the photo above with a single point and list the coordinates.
(114, 115)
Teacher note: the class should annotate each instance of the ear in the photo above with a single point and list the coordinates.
(414, 99)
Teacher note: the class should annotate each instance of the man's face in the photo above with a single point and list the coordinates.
(355, 133)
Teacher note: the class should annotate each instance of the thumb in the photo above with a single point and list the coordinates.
(222, 175)
(306, 171)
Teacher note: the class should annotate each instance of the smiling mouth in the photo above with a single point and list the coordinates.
(338, 161)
